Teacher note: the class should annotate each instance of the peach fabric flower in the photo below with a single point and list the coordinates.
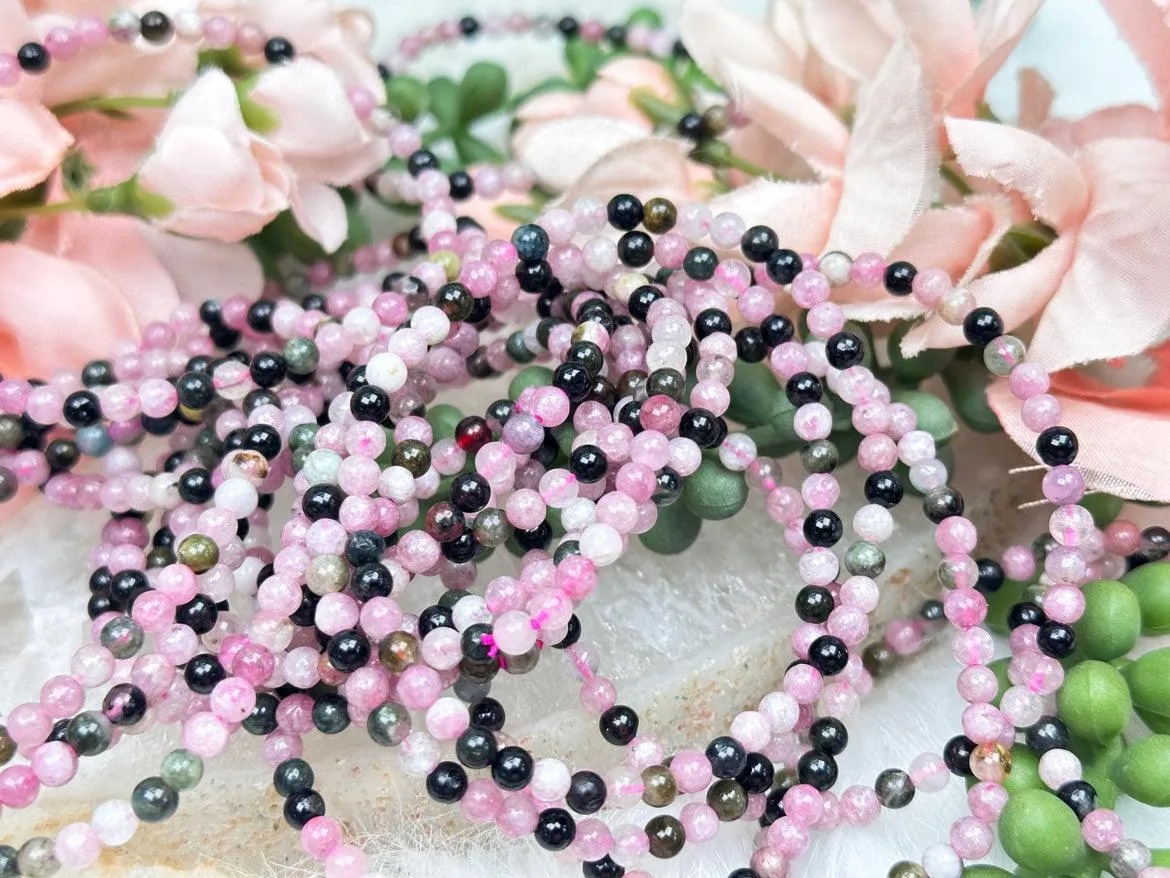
(224, 182)
(562, 134)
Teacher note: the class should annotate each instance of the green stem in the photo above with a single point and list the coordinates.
(112, 105)
(17, 213)
(741, 164)
(955, 179)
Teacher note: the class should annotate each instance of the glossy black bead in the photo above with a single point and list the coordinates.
(461, 185)
(572, 633)
(82, 409)
(1049, 733)
(512, 768)
(260, 315)
(828, 654)
(641, 300)
(690, 126)
(156, 27)
(957, 755)
(758, 242)
(447, 782)
(817, 770)
(263, 438)
(62, 455)
(1056, 640)
(278, 50)
(199, 614)
(322, 501)
(586, 792)
(203, 672)
(605, 867)
(364, 547)
(700, 263)
(1057, 446)
(587, 354)
(1080, 796)
(568, 26)
(1025, 613)
(619, 725)
(487, 713)
(773, 807)
(195, 390)
(330, 713)
(470, 492)
(421, 160)
(473, 644)
(982, 326)
(814, 603)
(701, 426)
(125, 584)
(435, 616)
(574, 380)
(348, 650)
(828, 735)
(776, 330)
(758, 775)
(262, 719)
(124, 704)
(942, 503)
(899, 278)
(588, 463)
(783, 266)
(727, 757)
(537, 538)
(268, 369)
(33, 58)
(803, 388)
(844, 349)
(303, 806)
(292, 776)
(823, 528)
(749, 345)
(98, 373)
(635, 249)
(744, 873)
(476, 747)
(624, 212)
(555, 829)
(370, 403)
(711, 321)
(991, 575)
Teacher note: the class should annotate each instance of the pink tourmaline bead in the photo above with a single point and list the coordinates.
(803, 805)
(869, 269)
(983, 723)
(1041, 412)
(77, 846)
(447, 719)
(482, 801)
(233, 699)
(205, 734)
(320, 837)
(804, 683)
(700, 821)
(1071, 525)
(29, 724)
(1102, 830)
(345, 861)
(1063, 485)
(55, 763)
(809, 288)
(956, 535)
(977, 684)
(986, 801)
(593, 841)
(517, 816)
(1028, 380)
(971, 838)
(18, 786)
(930, 286)
(61, 43)
(62, 696)
(965, 607)
(691, 770)
(1018, 563)
(788, 837)
(1122, 537)
(419, 687)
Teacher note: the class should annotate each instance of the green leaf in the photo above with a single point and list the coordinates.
(11, 230)
(755, 394)
(444, 104)
(265, 255)
(283, 235)
(230, 61)
(1105, 507)
(518, 213)
(483, 90)
(646, 17)
(1020, 244)
(583, 60)
(966, 381)
(665, 114)
(556, 83)
(406, 97)
(258, 118)
(934, 415)
(474, 151)
(914, 369)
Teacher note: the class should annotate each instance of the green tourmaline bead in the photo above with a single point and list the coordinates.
(1094, 702)
(154, 800)
(865, 559)
(675, 531)
(517, 349)
(198, 552)
(713, 492)
(1112, 621)
(182, 770)
(36, 860)
(1143, 771)
(1041, 832)
(301, 355)
(492, 528)
(389, 724)
(906, 869)
(1149, 686)
(123, 637)
(523, 663)
(327, 574)
(89, 733)
(529, 376)
(7, 746)
(659, 788)
(1151, 584)
(666, 835)
(11, 432)
(727, 799)
(302, 436)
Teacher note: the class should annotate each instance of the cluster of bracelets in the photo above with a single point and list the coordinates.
(634, 307)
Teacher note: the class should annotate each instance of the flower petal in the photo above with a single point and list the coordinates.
(799, 213)
(853, 36)
(55, 314)
(891, 170)
(34, 144)
(784, 19)
(203, 270)
(713, 33)
(943, 34)
(1109, 458)
(1112, 302)
(1125, 120)
(1000, 25)
(1047, 178)
(1144, 26)
(558, 153)
(791, 114)
(1018, 294)
(320, 212)
(646, 167)
(1035, 99)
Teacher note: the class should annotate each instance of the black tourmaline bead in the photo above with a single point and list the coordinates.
(899, 278)
(33, 58)
(1057, 446)
(586, 792)
(749, 345)
(421, 160)
(814, 603)
(82, 409)
(776, 330)
(828, 735)
(828, 654)
(957, 755)
(783, 266)
(487, 713)
(1080, 796)
(1050, 733)
(303, 806)
(991, 575)
(635, 249)
(156, 27)
(292, 776)
(823, 528)
(803, 388)
(844, 349)
(884, 488)
(278, 50)
(555, 829)
(1056, 640)
(690, 126)
(619, 725)
(982, 326)
(512, 768)
(759, 774)
(758, 242)
(700, 263)
(605, 867)
(476, 747)
(817, 769)
(1025, 613)
(447, 782)
(624, 212)
(711, 321)
(727, 757)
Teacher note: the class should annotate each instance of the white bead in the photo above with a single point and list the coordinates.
(666, 356)
(114, 822)
(737, 451)
(956, 305)
(238, 497)
(396, 483)
(432, 323)
(363, 325)
(781, 710)
(578, 514)
(189, 26)
(550, 780)
(320, 467)
(418, 754)
(1058, 767)
(836, 266)
(941, 861)
(387, 371)
(470, 610)
(601, 544)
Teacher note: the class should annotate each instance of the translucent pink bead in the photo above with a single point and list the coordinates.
(593, 841)
(29, 724)
(517, 816)
(788, 837)
(986, 801)
(977, 684)
(1018, 563)
(1063, 485)
(1041, 412)
(1058, 767)
(55, 763)
(1122, 537)
(233, 699)
(965, 607)
(691, 770)
(813, 421)
(973, 647)
(447, 718)
(929, 772)
(18, 786)
(930, 286)
(877, 452)
(1021, 707)
(802, 803)
(205, 734)
(983, 723)
(956, 535)
(768, 862)
(818, 566)
(1071, 525)
(804, 683)
(77, 846)
(321, 836)
(345, 861)
(62, 696)
(809, 288)
(1102, 830)
(869, 269)
(751, 729)
(1028, 380)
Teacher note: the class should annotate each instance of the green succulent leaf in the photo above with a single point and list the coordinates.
(483, 91)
